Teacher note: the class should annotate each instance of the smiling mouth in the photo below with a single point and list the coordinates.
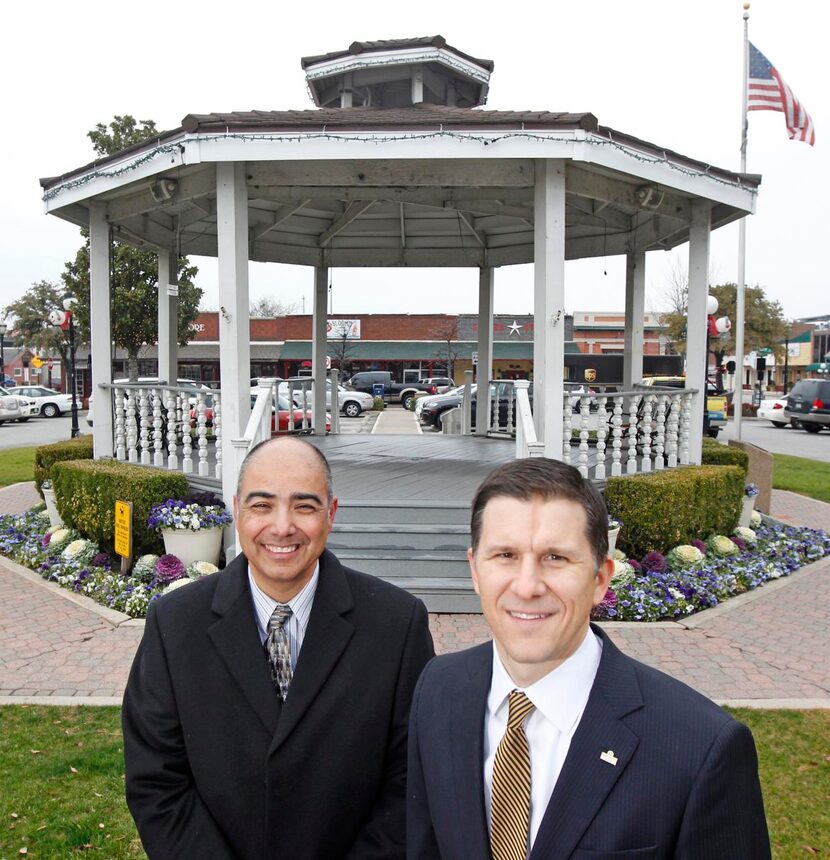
(529, 616)
(281, 550)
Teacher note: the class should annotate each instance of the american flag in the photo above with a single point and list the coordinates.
(767, 90)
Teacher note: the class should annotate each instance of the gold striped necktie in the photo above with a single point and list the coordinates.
(510, 795)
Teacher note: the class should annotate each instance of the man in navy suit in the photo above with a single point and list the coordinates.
(550, 743)
(294, 752)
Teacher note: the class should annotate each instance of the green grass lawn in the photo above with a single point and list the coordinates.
(800, 475)
(16, 464)
(63, 792)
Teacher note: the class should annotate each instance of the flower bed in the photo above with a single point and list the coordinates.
(697, 576)
(64, 556)
(657, 587)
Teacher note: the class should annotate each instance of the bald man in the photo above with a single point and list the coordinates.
(265, 717)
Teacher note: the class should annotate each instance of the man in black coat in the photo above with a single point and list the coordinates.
(549, 743)
(231, 755)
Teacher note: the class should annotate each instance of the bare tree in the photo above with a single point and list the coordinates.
(269, 307)
(341, 347)
(447, 333)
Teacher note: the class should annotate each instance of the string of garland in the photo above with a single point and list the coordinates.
(378, 139)
(361, 61)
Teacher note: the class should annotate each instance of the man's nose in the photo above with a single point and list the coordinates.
(281, 520)
(528, 580)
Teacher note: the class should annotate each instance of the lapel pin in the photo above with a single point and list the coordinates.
(609, 757)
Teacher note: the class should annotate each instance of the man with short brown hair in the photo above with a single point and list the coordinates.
(550, 743)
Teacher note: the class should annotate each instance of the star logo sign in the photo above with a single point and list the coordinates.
(515, 328)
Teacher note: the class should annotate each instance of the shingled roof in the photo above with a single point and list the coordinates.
(395, 45)
(363, 118)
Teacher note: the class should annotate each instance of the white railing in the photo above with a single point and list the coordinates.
(527, 445)
(605, 432)
(644, 430)
(161, 425)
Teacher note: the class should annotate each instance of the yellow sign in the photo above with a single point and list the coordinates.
(590, 374)
(124, 528)
(37, 362)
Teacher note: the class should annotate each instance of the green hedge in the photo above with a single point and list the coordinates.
(715, 454)
(664, 509)
(47, 455)
(87, 490)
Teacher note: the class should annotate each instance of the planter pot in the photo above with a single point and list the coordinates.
(52, 507)
(612, 539)
(202, 545)
(746, 511)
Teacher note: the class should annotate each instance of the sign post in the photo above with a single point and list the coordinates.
(124, 533)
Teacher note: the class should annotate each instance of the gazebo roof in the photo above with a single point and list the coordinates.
(423, 185)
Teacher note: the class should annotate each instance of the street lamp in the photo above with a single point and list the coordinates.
(3, 329)
(64, 319)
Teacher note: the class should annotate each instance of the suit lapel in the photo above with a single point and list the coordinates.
(236, 639)
(468, 707)
(586, 778)
(326, 638)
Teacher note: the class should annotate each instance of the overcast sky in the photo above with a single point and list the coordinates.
(668, 72)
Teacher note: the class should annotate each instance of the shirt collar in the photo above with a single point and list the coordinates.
(300, 603)
(561, 694)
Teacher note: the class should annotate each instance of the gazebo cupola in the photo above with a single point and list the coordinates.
(396, 73)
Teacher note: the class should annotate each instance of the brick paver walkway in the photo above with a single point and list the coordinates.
(765, 648)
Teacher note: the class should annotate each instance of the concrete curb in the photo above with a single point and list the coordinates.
(62, 701)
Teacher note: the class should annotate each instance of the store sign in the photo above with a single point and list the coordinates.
(343, 329)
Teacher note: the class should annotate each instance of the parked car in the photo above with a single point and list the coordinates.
(351, 403)
(772, 409)
(11, 408)
(52, 403)
(28, 406)
(809, 404)
(442, 384)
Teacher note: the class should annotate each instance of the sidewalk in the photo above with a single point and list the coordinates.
(766, 648)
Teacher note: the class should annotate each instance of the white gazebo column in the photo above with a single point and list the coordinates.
(100, 329)
(549, 303)
(318, 350)
(484, 368)
(696, 323)
(234, 314)
(168, 312)
(635, 305)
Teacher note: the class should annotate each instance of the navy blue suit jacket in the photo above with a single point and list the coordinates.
(684, 786)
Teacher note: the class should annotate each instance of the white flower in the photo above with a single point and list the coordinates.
(618, 555)
(177, 583)
(74, 548)
(746, 534)
(755, 520)
(201, 568)
(59, 534)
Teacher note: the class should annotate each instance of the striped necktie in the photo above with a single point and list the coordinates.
(510, 795)
(278, 649)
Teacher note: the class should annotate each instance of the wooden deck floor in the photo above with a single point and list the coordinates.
(428, 467)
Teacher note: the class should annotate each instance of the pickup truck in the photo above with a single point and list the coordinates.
(402, 392)
(716, 405)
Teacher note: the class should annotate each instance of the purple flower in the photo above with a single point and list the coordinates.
(635, 564)
(739, 542)
(169, 568)
(102, 560)
(699, 544)
(654, 562)
(606, 608)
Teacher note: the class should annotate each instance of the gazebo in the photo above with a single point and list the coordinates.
(397, 165)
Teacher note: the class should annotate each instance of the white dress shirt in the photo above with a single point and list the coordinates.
(559, 698)
(300, 604)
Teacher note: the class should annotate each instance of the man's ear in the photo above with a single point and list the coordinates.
(235, 507)
(603, 577)
(332, 510)
(473, 572)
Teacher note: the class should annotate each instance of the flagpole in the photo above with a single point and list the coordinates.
(741, 286)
